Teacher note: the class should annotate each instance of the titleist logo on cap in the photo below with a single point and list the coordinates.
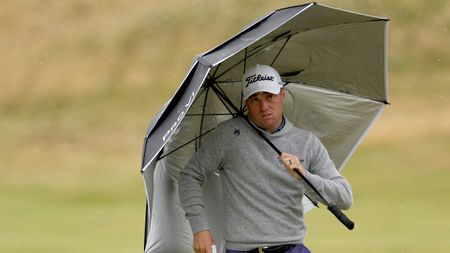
(255, 78)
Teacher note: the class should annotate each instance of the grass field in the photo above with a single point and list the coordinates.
(80, 80)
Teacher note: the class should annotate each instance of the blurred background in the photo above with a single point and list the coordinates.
(80, 80)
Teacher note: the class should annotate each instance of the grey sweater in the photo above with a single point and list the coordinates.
(262, 201)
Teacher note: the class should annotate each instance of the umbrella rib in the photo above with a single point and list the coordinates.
(250, 54)
(215, 71)
(245, 60)
(214, 85)
(239, 62)
(343, 23)
(343, 92)
(198, 95)
(226, 106)
(182, 146)
(281, 49)
(198, 138)
(203, 113)
(208, 114)
(230, 81)
(347, 23)
(243, 72)
(226, 101)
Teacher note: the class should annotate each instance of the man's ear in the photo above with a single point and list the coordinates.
(282, 93)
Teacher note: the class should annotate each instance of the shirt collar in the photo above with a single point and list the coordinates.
(283, 123)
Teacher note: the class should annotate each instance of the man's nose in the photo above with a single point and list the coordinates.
(263, 105)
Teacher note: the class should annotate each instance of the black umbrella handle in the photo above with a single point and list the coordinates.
(341, 216)
(332, 207)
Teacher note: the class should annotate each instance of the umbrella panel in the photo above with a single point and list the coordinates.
(347, 58)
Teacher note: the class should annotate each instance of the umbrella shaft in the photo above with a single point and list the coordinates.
(296, 170)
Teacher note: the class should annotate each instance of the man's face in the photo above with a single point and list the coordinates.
(266, 109)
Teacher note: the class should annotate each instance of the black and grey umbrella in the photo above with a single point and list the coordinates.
(335, 65)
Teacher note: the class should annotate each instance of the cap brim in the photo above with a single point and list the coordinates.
(262, 88)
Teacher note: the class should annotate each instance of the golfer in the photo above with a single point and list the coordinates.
(262, 193)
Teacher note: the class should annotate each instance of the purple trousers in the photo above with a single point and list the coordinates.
(299, 248)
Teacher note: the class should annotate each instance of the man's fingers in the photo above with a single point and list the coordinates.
(203, 241)
(203, 250)
(291, 161)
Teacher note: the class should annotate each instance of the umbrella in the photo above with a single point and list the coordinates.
(334, 64)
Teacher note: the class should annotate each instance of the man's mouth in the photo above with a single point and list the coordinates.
(266, 116)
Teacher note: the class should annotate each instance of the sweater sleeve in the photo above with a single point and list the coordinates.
(323, 174)
(192, 178)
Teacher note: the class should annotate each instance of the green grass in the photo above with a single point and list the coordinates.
(400, 202)
(101, 215)
(80, 80)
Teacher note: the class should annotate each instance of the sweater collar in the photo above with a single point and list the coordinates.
(279, 129)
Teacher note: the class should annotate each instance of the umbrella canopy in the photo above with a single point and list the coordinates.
(334, 64)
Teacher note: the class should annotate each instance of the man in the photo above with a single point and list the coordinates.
(262, 193)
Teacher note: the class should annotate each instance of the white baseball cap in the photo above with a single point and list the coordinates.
(261, 78)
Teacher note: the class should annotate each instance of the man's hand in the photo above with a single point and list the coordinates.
(292, 162)
(203, 242)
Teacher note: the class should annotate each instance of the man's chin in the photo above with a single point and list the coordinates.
(266, 125)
